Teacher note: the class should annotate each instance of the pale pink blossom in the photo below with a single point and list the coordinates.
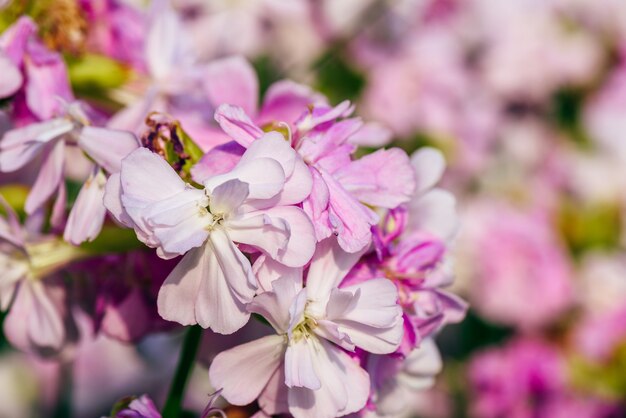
(106, 147)
(37, 319)
(249, 205)
(304, 370)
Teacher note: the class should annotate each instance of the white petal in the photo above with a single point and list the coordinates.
(329, 266)
(268, 270)
(228, 196)
(269, 234)
(179, 223)
(87, 215)
(435, 212)
(275, 146)
(274, 305)
(19, 146)
(179, 293)
(372, 319)
(301, 241)
(264, 176)
(299, 371)
(344, 386)
(242, 372)
(429, 166)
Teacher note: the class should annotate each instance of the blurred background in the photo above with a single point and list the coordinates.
(527, 101)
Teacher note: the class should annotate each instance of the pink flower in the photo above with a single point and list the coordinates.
(516, 258)
(106, 147)
(303, 370)
(214, 281)
(36, 75)
(38, 319)
(341, 187)
(113, 23)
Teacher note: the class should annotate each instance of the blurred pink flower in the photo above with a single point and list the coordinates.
(520, 270)
(34, 74)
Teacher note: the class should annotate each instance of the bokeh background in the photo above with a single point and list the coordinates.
(527, 101)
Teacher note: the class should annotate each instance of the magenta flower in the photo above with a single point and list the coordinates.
(35, 75)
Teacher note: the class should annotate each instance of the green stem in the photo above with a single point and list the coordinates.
(173, 405)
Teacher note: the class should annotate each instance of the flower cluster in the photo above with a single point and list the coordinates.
(242, 213)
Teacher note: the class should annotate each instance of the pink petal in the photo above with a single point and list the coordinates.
(107, 146)
(19, 146)
(49, 178)
(384, 178)
(272, 145)
(11, 77)
(286, 101)
(113, 200)
(274, 398)
(146, 178)
(14, 39)
(237, 124)
(350, 220)
(87, 215)
(232, 81)
(219, 160)
(373, 135)
(242, 372)
(316, 205)
(47, 82)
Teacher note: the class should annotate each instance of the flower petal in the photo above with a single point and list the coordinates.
(107, 146)
(299, 371)
(242, 372)
(274, 305)
(429, 165)
(344, 386)
(87, 215)
(232, 81)
(384, 178)
(49, 178)
(19, 146)
(11, 76)
(237, 124)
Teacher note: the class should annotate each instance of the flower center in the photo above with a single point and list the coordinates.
(304, 329)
